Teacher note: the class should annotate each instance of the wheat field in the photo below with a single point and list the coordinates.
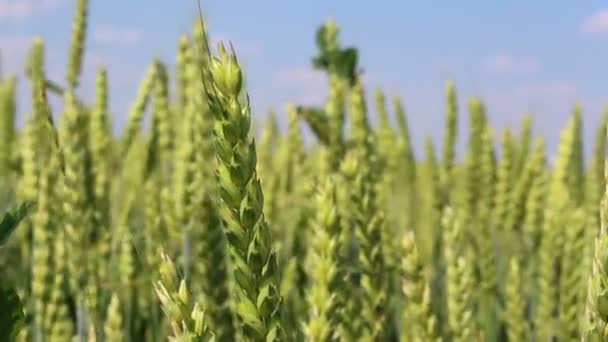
(192, 229)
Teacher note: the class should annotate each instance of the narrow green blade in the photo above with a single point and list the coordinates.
(11, 220)
(12, 318)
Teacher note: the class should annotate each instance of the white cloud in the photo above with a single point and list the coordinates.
(299, 76)
(548, 90)
(117, 36)
(596, 23)
(20, 9)
(302, 85)
(508, 64)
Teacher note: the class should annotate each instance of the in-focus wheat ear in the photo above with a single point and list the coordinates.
(241, 203)
(197, 209)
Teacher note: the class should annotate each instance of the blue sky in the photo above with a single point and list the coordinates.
(518, 55)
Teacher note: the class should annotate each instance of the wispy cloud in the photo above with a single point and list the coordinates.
(596, 23)
(508, 64)
(303, 85)
(20, 9)
(299, 76)
(117, 36)
(549, 90)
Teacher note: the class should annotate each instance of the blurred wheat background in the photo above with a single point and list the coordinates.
(302, 172)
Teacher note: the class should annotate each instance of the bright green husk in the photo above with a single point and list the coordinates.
(241, 204)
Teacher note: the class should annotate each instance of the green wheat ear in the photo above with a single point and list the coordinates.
(138, 109)
(44, 224)
(113, 329)
(572, 283)
(595, 325)
(517, 326)
(163, 116)
(322, 265)
(364, 218)
(197, 210)
(550, 250)
(77, 46)
(8, 132)
(576, 164)
(241, 203)
(186, 318)
(460, 281)
(58, 320)
(419, 321)
(525, 141)
(407, 165)
(451, 132)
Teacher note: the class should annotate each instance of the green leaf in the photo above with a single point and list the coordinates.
(317, 120)
(11, 220)
(320, 62)
(12, 318)
(320, 38)
(347, 64)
